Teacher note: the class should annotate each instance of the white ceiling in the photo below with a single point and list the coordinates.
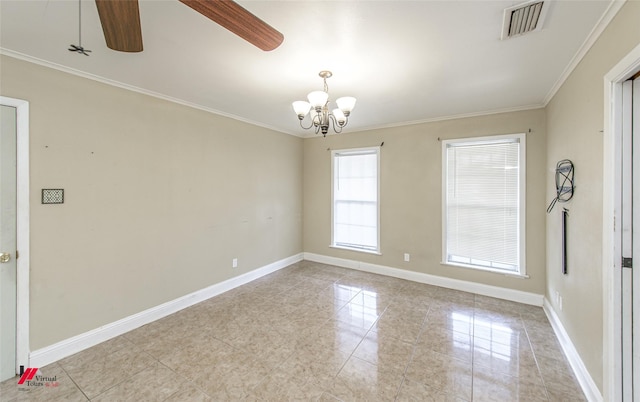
(405, 61)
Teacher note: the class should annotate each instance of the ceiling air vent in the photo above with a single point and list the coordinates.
(523, 18)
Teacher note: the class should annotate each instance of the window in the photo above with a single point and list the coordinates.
(483, 203)
(355, 199)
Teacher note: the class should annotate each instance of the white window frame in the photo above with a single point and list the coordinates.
(521, 138)
(355, 151)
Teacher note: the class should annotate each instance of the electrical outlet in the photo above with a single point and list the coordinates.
(407, 257)
(559, 300)
(234, 263)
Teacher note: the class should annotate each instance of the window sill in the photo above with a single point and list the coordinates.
(482, 269)
(359, 250)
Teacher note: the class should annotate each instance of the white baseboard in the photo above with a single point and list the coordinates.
(67, 347)
(589, 387)
(457, 284)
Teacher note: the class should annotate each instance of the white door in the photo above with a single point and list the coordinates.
(630, 273)
(8, 246)
(635, 273)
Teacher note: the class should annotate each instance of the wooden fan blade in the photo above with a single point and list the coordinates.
(121, 24)
(238, 20)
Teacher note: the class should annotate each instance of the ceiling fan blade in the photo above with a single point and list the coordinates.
(238, 20)
(121, 24)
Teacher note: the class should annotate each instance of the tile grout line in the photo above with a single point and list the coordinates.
(73, 381)
(535, 357)
(473, 345)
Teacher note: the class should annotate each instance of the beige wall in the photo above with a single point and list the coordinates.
(411, 196)
(159, 198)
(575, 118)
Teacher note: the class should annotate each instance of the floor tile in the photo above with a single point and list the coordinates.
(402, 315)
(545, 343)
(95, 376)
(188, 392)
(505, 359)
(340, 292)
(318, 332)
(358, 315)
(390, 353)
(565, 393)
(455, 319)
(319, 367)
(489, 385)
(510, 320)
(416, 391)
(183, 360)
(559, 379)
(153, 383)
(404, 332)
(442, 372)
(273, 390)
(334, 335)
(360, 380)
(376, 300)
(456, 296)
(499, 333)
(454, 344)
(233, 380)
(327, 397)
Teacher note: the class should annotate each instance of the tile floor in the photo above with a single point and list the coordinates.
(318, 332)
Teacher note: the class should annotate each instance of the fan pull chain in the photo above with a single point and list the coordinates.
(80, 23)
(79, 48)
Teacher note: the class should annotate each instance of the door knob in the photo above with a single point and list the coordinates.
(5, 257)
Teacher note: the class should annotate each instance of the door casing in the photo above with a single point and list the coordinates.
(612, 223)
(22, 229)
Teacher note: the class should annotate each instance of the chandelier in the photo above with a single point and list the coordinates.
(320, 116)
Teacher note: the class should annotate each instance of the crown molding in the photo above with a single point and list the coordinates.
(593, 36)
(103, 80)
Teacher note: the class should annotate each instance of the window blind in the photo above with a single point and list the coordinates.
(355, 199)
(482, 206)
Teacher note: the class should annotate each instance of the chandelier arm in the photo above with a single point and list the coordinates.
(337, 128)
(306, 128)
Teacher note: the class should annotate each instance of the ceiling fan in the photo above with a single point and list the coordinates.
(120, 21)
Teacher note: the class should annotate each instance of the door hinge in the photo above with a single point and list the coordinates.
(17, 255)
(627, 262)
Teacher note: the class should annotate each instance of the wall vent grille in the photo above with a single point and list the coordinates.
(524, 18)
